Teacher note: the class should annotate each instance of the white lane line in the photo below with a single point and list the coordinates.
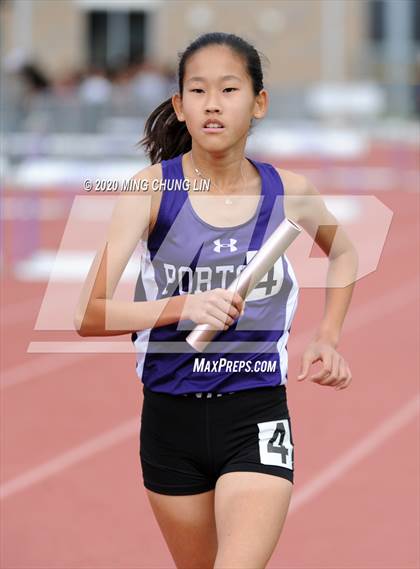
(358, 452)
(37, 366)
(70, 457)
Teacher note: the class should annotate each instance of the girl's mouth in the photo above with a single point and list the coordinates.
(213, 126)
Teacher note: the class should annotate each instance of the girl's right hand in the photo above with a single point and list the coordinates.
(218, 307)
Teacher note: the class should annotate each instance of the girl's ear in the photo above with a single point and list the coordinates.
(177, 105)
(261, 104)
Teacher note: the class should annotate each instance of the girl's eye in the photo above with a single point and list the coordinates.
(225, 89)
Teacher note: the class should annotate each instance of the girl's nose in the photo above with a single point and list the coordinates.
(212, 104)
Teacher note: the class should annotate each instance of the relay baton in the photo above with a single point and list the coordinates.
(251, 275)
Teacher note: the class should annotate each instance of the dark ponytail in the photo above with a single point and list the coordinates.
(166, 137)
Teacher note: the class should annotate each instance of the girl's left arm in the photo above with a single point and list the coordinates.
(307, 207)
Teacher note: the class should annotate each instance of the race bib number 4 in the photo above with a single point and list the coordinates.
(275, 443)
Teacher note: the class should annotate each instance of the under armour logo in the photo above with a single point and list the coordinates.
(219, 245)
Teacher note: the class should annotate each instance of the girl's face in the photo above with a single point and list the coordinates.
(217, 87)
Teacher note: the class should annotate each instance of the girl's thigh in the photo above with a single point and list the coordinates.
(188, 527)
(250, 510)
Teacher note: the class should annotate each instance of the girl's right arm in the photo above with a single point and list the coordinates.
(98, 314)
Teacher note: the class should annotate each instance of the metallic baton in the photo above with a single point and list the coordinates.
(247, 280)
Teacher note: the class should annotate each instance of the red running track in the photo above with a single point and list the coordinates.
(71, 479)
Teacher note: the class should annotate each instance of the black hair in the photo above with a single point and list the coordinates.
(165, 136)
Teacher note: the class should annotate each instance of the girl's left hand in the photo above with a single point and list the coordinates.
(335, 372)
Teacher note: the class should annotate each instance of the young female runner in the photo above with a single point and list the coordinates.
(216, 443)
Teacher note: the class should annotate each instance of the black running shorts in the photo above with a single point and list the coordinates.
(187, 442)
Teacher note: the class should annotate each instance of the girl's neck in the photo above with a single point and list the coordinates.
(227, 173)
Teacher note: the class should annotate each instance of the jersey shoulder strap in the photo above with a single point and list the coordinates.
(170, 204)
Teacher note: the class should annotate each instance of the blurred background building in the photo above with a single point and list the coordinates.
(102, 65)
